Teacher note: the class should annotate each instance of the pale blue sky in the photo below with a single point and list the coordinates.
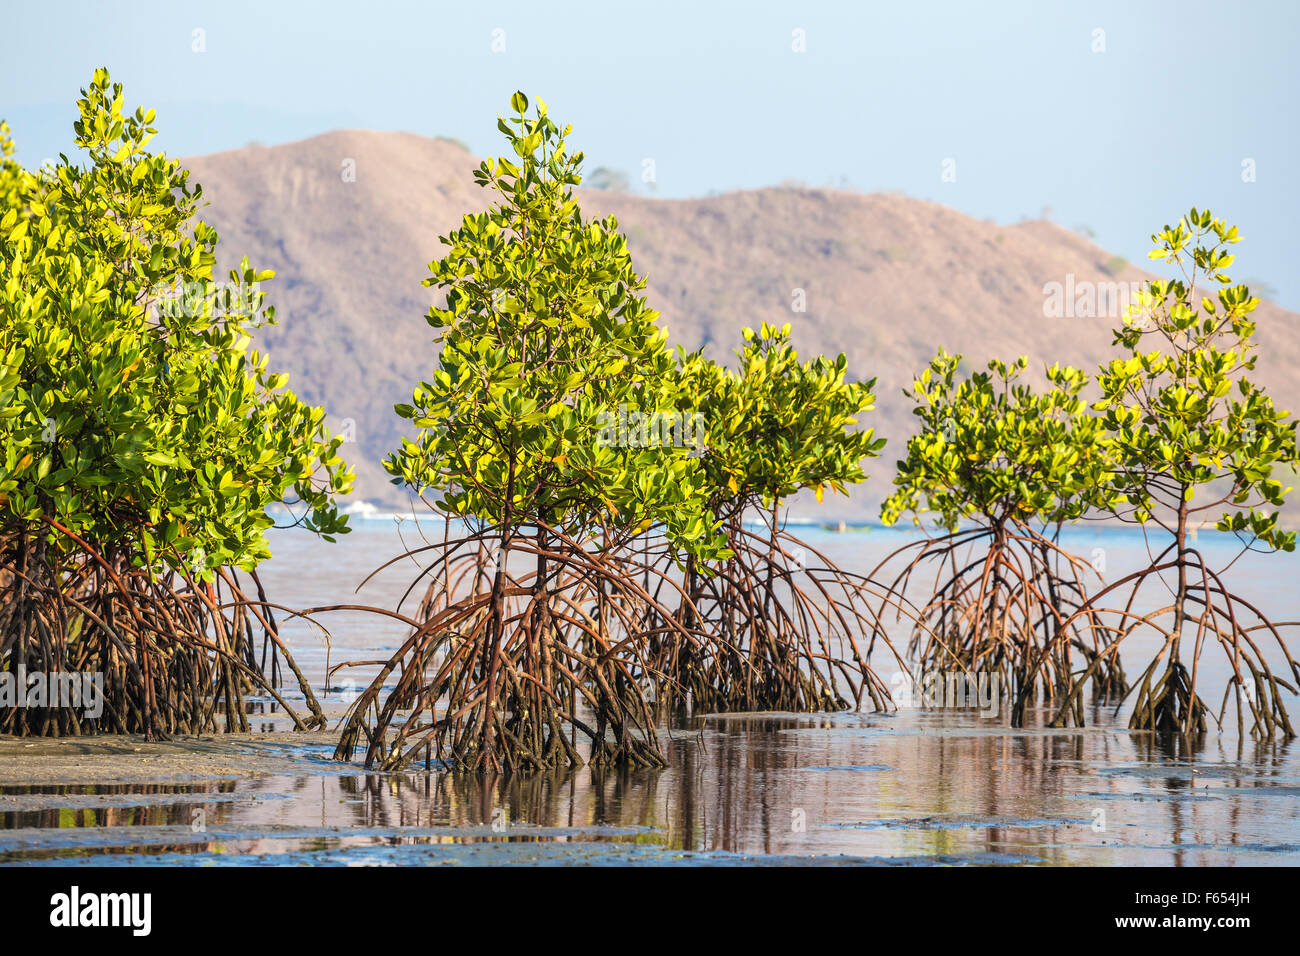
(1121, 141)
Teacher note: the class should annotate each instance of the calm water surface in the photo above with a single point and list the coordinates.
(917, 787)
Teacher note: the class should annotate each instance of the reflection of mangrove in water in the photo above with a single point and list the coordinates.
(92, 805)
(929, 786)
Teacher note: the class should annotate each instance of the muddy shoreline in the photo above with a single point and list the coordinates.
(913, 789)
(27, 761)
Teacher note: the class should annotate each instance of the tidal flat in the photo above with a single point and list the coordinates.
(916, 787)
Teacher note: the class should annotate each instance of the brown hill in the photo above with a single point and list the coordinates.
(885, 279)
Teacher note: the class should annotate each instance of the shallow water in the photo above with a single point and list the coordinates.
(919, 787)
(915, 789)
(306, 573)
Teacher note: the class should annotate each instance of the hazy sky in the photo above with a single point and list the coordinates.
(1120, 141)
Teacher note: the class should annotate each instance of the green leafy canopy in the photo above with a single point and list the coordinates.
(778, 425)
(995, 449)
(1183, 415)
(131, 410)
(544, 337)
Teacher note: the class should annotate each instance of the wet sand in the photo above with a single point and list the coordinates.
(919, 788)
(95, 761)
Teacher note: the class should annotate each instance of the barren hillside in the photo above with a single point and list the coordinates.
(885, 279)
